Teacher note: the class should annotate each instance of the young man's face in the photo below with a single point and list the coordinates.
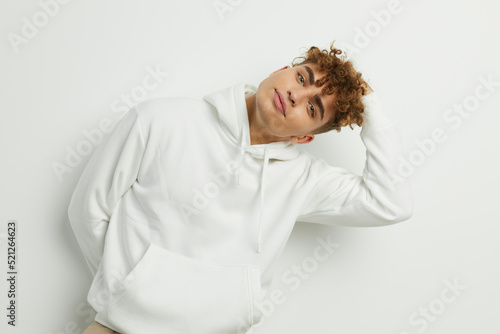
(289, 105)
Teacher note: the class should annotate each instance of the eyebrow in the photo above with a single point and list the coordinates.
(320, 105)
(311, 75)
(316, 98)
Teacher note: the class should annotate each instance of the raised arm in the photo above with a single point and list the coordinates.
(339, 197)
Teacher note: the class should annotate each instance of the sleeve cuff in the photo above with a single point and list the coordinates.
(374, 116)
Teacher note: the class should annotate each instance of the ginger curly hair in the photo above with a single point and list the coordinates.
(342, 78)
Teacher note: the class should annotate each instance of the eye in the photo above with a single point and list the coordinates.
(301, 79)
(311, 109)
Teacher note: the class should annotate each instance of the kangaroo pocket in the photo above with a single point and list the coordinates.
(170, 293)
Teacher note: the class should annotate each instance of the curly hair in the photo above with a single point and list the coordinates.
(342, 78)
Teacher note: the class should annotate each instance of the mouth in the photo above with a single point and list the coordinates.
(280, 103)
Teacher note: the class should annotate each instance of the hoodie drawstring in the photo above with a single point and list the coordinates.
(243, 149)
(262, 192)
(230, 107)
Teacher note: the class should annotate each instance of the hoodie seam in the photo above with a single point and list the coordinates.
(141, 132)
(250, 299)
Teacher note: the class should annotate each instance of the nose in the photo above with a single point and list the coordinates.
(292, 98)
(299, 95)
(296, 96)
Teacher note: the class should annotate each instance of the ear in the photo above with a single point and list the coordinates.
(281, 69)
(302, 139)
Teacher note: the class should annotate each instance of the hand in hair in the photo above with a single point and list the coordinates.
(367, 87)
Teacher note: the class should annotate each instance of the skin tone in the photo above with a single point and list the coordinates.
(306, 107)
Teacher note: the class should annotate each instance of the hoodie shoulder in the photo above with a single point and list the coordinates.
(170, 106)
(174, 110)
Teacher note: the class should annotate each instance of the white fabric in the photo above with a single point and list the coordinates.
(181, 220)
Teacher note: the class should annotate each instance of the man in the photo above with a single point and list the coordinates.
(183, 211)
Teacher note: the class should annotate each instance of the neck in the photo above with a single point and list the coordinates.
(258, 135)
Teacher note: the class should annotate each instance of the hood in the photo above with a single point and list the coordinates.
(231, 109)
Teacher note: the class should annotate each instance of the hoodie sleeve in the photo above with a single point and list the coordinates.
(379, 197)
(112, 170)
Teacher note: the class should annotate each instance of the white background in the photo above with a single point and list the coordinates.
(66, 77)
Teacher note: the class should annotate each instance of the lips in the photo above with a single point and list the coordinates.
(280, 103)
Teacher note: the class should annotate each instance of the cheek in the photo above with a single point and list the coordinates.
(269, 116)
(303, 125)
(264, 102)
(276, 124)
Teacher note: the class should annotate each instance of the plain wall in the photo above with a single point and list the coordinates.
(427, 60)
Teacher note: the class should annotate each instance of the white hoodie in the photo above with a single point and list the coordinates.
(181, 220)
